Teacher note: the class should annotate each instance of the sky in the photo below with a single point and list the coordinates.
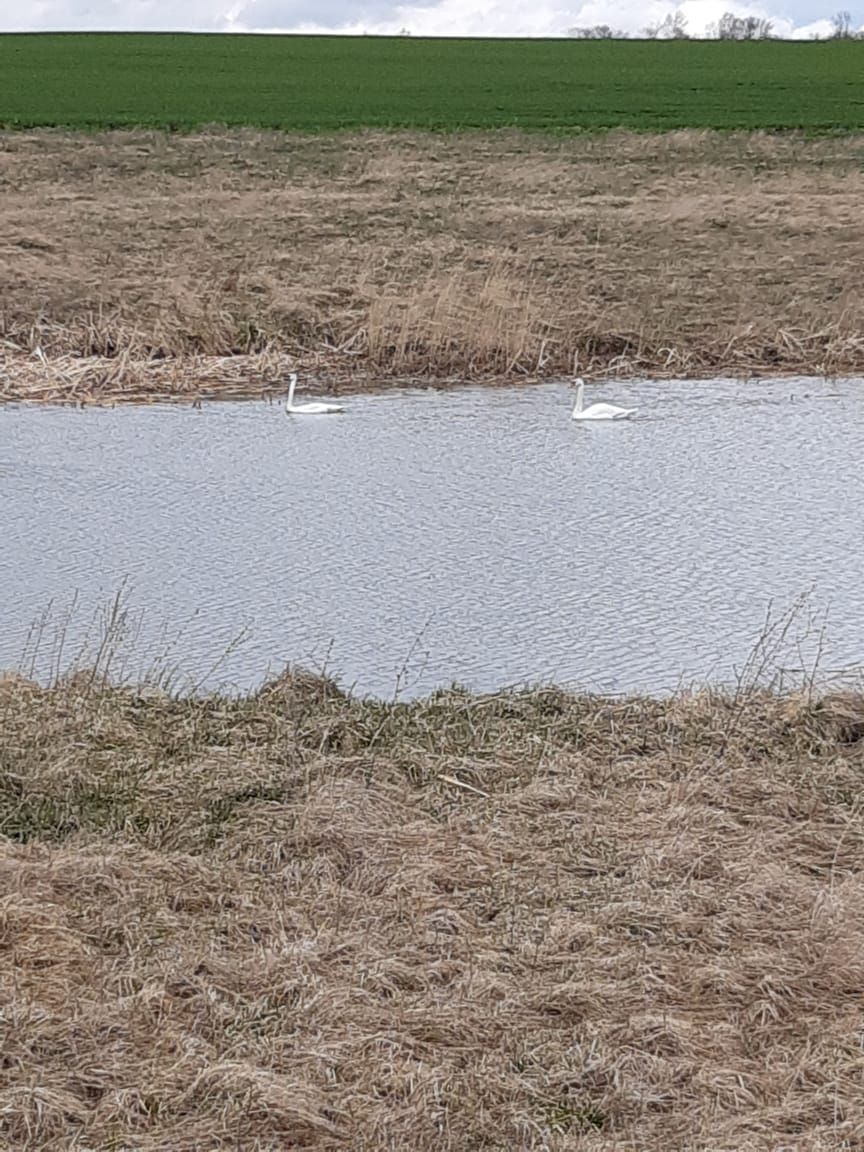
(791, 18)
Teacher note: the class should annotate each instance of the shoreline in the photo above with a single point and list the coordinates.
(109, 382)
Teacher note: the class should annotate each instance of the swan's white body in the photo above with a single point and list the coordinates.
(317, 408)
(598, 411)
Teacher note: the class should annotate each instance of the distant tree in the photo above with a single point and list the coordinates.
(676, 25)
(404, 31)
(597, 32)
(842, 23)
(732, 27)
(673, 26)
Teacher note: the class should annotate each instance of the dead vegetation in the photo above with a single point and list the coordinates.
(141, 264)
(540, 921)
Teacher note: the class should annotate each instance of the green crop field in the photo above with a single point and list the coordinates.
(320, 84)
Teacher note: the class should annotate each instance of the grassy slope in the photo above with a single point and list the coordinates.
(327, 83)
(383, 256)
(526, 921)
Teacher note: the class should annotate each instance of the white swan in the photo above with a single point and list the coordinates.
(317, 408)
(598, 411)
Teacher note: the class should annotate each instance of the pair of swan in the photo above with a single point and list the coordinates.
(592, 412)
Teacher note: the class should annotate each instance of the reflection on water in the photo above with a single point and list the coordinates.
(425, 537)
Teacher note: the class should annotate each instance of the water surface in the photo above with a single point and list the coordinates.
(424, 537)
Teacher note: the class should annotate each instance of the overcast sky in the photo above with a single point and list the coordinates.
(799, 18)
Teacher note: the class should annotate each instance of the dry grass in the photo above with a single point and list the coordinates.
(539, 921)
(144, 264)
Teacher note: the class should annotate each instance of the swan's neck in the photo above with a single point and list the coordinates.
(580, 388)
(292, 384)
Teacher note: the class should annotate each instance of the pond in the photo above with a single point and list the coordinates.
(425, 537)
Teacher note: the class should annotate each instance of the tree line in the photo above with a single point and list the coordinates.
(728, 27)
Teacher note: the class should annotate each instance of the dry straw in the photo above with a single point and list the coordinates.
(138, 266)
(528, 920)
(429, 342)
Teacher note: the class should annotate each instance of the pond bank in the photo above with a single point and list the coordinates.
(532, 918)
(28, 378)
(145, 264)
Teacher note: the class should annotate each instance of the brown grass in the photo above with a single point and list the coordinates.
(144, 264)
(539, 921)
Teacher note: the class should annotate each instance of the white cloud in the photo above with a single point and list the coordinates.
(817, 30)
(445, 18)
(111, 15)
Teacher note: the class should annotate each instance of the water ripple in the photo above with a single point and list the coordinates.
(424, 537)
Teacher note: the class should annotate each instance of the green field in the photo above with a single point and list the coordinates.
(321, 84)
